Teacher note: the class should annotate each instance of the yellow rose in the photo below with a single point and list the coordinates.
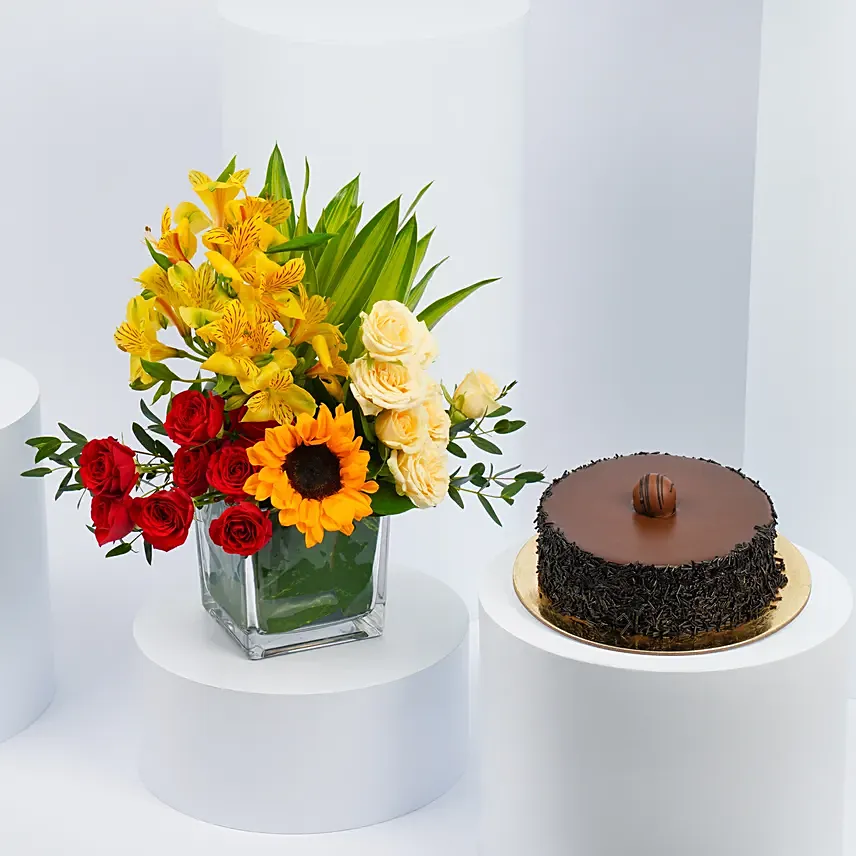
(391, 332)
(405, 430)
(387, 386)
(422, 477)
(438, 419)
(426, 349)
(476, 395)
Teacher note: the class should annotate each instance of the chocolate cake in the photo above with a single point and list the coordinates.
(657, 546)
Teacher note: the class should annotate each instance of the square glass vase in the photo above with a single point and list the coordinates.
(289, 597)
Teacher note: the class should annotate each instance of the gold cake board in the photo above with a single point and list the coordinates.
(794, 597)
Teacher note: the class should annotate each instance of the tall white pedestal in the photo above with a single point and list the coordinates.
(26, 664)
(316, 741)
(590, 752)
(402, 93)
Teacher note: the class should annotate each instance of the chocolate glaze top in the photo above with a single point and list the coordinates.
(718, 509)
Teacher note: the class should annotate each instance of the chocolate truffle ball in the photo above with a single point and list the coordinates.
(654, 495)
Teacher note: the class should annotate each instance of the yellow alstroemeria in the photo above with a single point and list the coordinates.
(201, 301)
(326, 339)
(274, 396)
(265, 289)
(272, 212)
(177, 243)
(169, 301)
(330, 375)
(137, 336)
(216, 195)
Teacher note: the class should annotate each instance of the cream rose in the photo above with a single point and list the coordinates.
(426, 349)
(476, 395)
(438, 419)
(404, 430)
(422, 477)
(391, 332)
(381, 386)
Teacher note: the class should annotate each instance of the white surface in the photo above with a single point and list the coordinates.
(319, 741)
(641, 119)
(26, 666)
(801, 405)
(595, 752)
(447, 108)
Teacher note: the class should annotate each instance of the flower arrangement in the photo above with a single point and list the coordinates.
(295, 366)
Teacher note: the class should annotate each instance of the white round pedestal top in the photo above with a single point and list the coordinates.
(424, 622)
(370, 21)
(826, 612)
(20, 393)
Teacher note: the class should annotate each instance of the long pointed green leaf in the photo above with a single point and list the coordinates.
(339, 208)
(421, 249)
(418, 290)
(303, 220)
(303, 242)
(277, 186)
(446, 304)
(230, 168)
(394, 279)
(335, 250)
(362, 264)
(415, 202)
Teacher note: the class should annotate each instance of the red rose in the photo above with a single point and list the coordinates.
(164, 518)
(189, 468)
(248, 433)
(111, 519)
(229, 469)
(242, 529)
(108, 468)
(194, 418)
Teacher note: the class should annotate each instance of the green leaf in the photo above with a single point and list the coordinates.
(479, 481)
(421, 250)
(508, 426)
(223, 385)
(387, 502)
(368, 428)
(47, 449)
(277, 186)
(119, 550)
(460, 481)
(158, 370)
(513, 489)
(337, 211)
(394, 279)
(485, 445)
(335, 250)
(415, 202)
(139, 386)
(147, 550)
(503, 410)
(227, 172)
(302, 220)
(74, 436)
(361, 265)
(37, 442)
(432, 315)
(460, 427)
(148, 443)
(150, 414)
(529, 477)
(454, 449)
(156, 429)
(489, 509)
(418, 290)
(163, 451)
(456, 497)
(162, 390)
(37, 473)
(63, 485)
(160, 260)
(477, 469)
(303, 242)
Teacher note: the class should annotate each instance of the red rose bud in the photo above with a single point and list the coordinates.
(194, 418)
(108, 468)
(164, 518)
(229, 469)
(242, 529)
(189, 469)
(111, 519)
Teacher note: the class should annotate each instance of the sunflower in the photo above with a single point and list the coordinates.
(314, 472)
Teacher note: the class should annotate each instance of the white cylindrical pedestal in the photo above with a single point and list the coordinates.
(801, 406)
(403, 93)
(317, 741)
(26, 665)
(590, 752)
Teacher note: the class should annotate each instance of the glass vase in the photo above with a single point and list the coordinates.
(289, 597)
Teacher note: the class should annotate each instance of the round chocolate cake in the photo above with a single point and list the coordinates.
(658, 546)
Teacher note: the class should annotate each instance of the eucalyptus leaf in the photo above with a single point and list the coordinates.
(164, 389)
(158, 370)
(508, 426)
(502, 410)
(513, 489)
(150, 414)
(147, 550)
(485, 445)
(455, 496)
(119, 550)
(489, 509)
(47, 449)
(529, 477)
(37, 473)
(148, 443)
(432, 315)
(36, 442)
(63, 484)
(74, 436)
(454, 449)
(461, 427)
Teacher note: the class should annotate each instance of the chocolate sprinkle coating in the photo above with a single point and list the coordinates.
(660, 602)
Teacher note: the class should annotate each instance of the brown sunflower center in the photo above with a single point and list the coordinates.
(313, 471)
